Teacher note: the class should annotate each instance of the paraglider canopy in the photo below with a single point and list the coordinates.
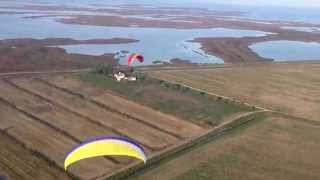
(135, 56)
(105, 146)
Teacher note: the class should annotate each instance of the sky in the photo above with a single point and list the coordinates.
(286, 3)
(295, 3)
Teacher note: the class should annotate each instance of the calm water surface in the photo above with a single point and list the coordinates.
(288, 50)
(303, 29)
(155, 44)
(162, 44)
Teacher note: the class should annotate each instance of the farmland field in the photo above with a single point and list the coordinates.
(292, 88)
(45, 116)
(173, 99)
(159, 90)
(13, 155)
(50, 115)
(270, 147)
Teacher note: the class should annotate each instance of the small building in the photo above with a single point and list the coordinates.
(119, 76)
(132, 78)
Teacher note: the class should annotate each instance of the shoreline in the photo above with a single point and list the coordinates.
(34, 54)
(237, 50)
(61, 41)
(231, 50)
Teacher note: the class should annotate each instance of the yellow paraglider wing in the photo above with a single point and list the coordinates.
(107, 146)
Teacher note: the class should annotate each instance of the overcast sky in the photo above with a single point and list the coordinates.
(297, 3)
(304, 3)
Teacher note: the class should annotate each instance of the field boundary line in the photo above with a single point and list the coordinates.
(214, 94)
(21, 73)
(47, 159)
(108, 108)
(146, 69)
(78, 114)
(314, 122)
(221, 66)
(39, 120)
(113, 93)
(236, 100)
(183, 146)
(65, 133)
(38, 154)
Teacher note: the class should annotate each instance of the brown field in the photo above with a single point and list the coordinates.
(270, 147)
(292, 88)
(51, 120)
(171, 99)
(13, 155)
(170, 123)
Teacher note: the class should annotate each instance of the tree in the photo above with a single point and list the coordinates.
(142, 77)
(203, 93)
(178, 86)
(104, 69)
(132, 70)
(186, 89)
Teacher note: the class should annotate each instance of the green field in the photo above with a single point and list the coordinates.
(270, 147)
(173, 99)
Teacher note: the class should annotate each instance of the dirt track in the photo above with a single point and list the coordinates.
(31, 73)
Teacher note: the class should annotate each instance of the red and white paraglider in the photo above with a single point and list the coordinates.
(135, 56)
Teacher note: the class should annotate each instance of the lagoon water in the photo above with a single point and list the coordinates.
(301, 14)
(288, 50)
(159, 44)
(163, 44)
(303, 29)
(155, 43)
